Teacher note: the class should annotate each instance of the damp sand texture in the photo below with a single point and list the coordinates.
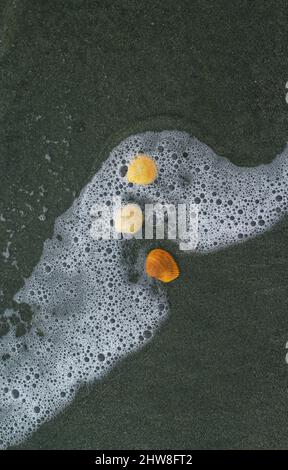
(215, 375)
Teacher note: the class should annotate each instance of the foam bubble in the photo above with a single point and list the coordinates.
(87, 312)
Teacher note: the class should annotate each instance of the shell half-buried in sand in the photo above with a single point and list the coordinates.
(161, 265)
(142, 170)
(128, 219)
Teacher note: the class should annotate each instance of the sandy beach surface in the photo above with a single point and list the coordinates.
(76, 77)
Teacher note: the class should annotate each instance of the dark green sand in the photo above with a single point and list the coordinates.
(76, 77)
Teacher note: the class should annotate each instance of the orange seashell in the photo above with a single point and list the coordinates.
(142, 170)
(161, 265)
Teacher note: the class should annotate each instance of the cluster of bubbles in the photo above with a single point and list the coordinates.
(87, 312)
(234, 203)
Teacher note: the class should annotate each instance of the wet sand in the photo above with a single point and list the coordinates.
(77, 79)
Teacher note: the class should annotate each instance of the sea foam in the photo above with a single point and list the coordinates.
(89, 312)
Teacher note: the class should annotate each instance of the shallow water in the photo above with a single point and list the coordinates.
(87, 314)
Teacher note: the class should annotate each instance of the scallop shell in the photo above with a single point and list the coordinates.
(128, 219)
(142, 170)
(161, 265)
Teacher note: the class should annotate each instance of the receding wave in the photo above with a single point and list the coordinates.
(87, 313)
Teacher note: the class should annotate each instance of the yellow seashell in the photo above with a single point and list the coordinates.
(142, 170)
(128, 219)
(161, 265)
